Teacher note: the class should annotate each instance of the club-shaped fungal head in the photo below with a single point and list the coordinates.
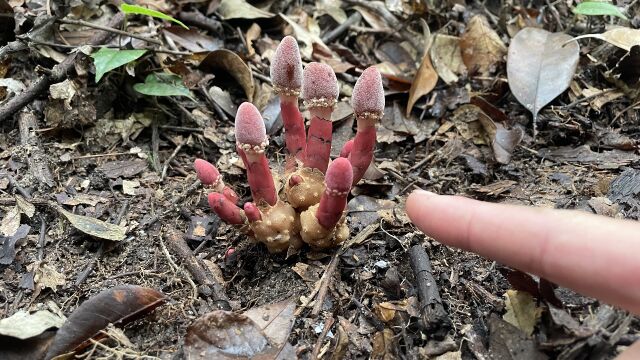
(207, 172)
(339, 177)
(319, 86)
(251, 133)
(286, 68)
(367, 99)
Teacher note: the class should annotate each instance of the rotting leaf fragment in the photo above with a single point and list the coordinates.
(94, 227)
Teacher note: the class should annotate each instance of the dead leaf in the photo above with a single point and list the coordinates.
(124, 169)
(129, 186)
(23, 325)
(522, 311)
(275, 320)
(503, 141)
(94, 227)
(621, 37)
(232, 64)
(384, 345)
(10, 222)
(309, 37)
(539, 68)
(192, 39)
(613, 159)
(240, 9)
(447, 57)
(25, 207)
(226, 335)
(118, 305)
(508, 342)
(481, 47)
(425, 80)
(46, 276)
(8, 250)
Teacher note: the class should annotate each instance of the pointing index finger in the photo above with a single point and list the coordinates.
(591, 254)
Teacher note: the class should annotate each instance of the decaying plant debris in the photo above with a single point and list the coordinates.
(109, 247)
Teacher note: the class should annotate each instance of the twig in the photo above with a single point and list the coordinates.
(58, 74)
(41, 238)
(325, 281)
(333, 34)
(109, 29)
(175, 241)
(435, 318)
(177, 269)
(590, 97)
(199, 20)
(622, 112)
(166, 163)
(328, 323)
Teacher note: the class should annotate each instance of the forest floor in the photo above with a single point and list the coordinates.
(102, 150)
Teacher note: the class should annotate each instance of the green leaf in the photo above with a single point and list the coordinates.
(107, 59)
(598, 8)
(161, 84)
(135, 9)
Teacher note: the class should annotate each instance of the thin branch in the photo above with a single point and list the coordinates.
(109, 29)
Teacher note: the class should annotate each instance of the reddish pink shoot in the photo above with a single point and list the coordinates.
(334, 200)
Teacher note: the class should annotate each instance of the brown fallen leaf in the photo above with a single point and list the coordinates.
(425, 80)
(260, 333)
(503, 141)
(240, 9)
(482, 49)
(118, 305)
(621, 37)
(539, 67)
(232, 64)
(522, 311)
(447, 57)
(93, 226)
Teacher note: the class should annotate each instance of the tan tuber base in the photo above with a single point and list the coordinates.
(308, 192)
(278, 228)
(316, 235)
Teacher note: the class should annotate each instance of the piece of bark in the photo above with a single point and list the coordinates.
(434, 316)
(38, 165)
(177, 244)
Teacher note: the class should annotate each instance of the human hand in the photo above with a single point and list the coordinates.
(594, 255)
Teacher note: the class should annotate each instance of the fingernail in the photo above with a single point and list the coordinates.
(424, 193)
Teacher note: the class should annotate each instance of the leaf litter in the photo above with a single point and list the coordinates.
(453, 125)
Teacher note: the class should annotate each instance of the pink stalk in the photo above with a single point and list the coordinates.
(251, 138)
(368, 105)
(252, 212)
(286, 76)
(210, 176)
(320, 92)
(334, 200)
(346, 149)
(226, 210)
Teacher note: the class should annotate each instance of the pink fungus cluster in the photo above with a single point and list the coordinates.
(310, 207)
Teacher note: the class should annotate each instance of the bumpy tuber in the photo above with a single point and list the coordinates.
(310, 207)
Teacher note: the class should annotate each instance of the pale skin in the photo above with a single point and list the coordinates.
(594, 255)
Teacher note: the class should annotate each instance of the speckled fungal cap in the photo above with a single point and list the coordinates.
(250, 126)
(368, 93)
(319, 85)
(207, 173)
(286, 68)
(339, 176)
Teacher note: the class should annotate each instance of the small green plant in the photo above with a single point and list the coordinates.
(595, 8)
(107, 59)
(139, 10)
(162, 84)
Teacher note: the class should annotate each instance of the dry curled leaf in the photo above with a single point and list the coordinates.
(240, 9)
(23, 325)
(447, 57)
(539, 67)
(621, 37)
(118, 305)
(233, 65)
(522, 311)
(425, 80)
(482, 49)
